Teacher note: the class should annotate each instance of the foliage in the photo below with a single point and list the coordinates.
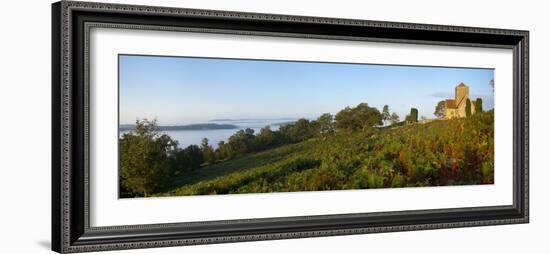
(182, 160)
(144, 159)
(468, 108)
(301, 130)
(348, 151)
(208, 153)
(360, 117)
(386, 113)
(326, 124)
(479, 105)
(440, 109)
(394, 118)
(444, 152)
(149, 159)
(413, 116)
(265, 139)
(244, 141)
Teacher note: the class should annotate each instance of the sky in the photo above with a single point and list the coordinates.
(184, 90)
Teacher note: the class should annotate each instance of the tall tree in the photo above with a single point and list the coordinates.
(468, 108)
(394, 118)
(144, 165)
(440, 109)
(479, 105)
(386, 114)
(223, 151)
(326, 124)
(207, 151)
(492, 84)
(413, 116)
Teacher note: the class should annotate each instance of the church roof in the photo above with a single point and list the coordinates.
(461, 84)
(450, 103)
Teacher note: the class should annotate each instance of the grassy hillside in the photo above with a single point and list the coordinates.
(443, 152)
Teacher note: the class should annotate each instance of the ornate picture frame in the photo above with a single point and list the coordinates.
(71, 24)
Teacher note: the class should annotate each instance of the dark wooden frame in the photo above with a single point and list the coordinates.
(71, 22)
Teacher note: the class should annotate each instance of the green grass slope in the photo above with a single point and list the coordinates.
(442, 152)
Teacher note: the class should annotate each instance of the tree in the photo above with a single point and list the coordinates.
(144, 166)
(394, 118)
(386, 113)
(194, 157)
(301, 130)
(265, 139)
(223, 151)
(440, 109)
(241, 142)
(413, 116)
(326, 124)
(182, 160)
(479, 105)
(468, 108)
(207, 151)
(359, 118)
(492, 84)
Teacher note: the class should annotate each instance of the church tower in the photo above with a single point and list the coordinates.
(462, 92)
(457, 107)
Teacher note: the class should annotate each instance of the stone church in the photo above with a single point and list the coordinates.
(457, 107)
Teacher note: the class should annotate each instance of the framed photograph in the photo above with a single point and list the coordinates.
(182, 126)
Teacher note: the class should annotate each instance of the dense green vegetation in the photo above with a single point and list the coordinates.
(479, 105)
(350, 150)
(149, 160)
(144, 160)
(443, 152)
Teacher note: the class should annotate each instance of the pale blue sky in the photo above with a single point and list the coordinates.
(182, 90)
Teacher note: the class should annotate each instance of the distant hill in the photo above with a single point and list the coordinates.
(188, 127)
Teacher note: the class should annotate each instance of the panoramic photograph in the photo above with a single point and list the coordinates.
(211, 126)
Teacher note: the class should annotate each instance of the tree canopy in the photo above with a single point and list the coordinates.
(468, 108)
(144, 158)
(326, 124)
(394, 118)
(386, 114)
(440, 109)
(207, 151)
(358, 118)
(479, 105)
(413, 116)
